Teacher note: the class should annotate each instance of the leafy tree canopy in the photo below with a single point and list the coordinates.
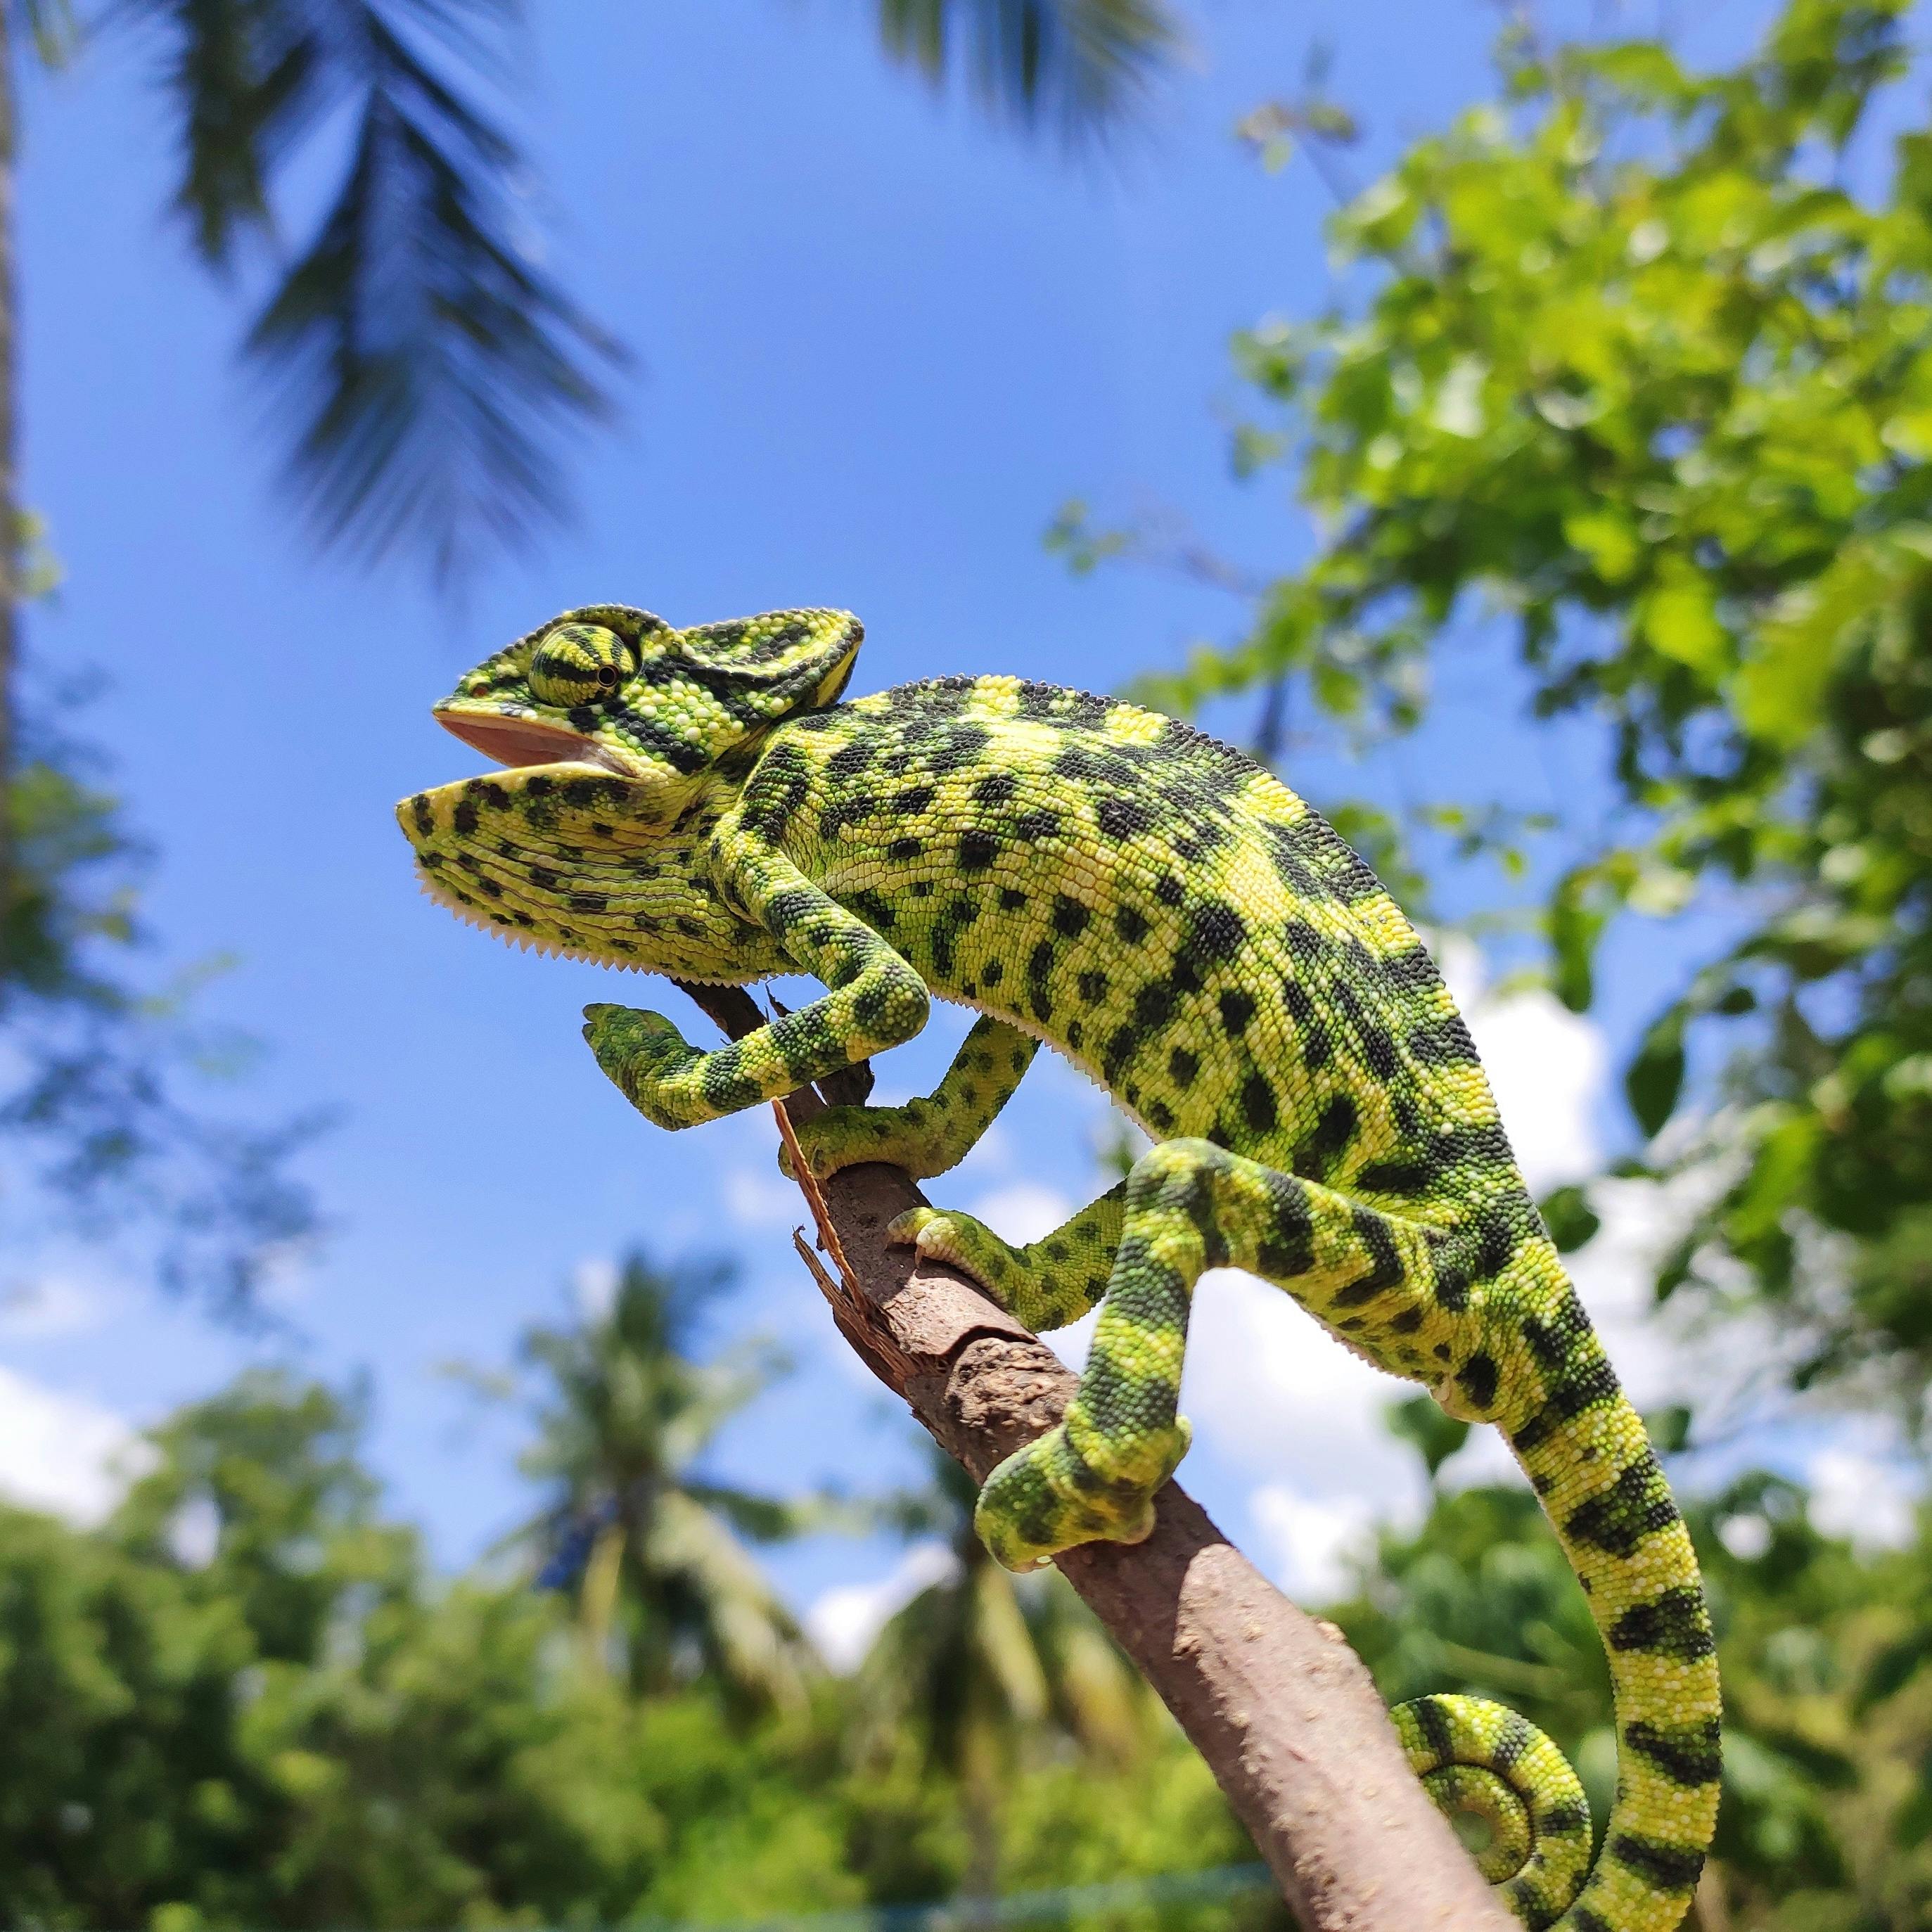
(1641, 372)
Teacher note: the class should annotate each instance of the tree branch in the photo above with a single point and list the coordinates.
(1280, 1708)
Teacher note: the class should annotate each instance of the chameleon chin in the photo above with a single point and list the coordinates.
(1177, 922)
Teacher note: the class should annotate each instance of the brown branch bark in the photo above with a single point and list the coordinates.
(1281, 1710)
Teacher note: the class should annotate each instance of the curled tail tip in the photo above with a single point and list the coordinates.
(1482, 1758)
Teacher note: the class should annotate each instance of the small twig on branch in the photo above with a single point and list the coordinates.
(1283, 1712)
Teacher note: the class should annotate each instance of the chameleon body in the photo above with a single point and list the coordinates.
(1175, 921)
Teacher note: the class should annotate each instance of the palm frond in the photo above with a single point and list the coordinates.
(422, 363)
(1084, 63)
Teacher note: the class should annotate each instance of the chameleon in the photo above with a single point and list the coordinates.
(1172, 918)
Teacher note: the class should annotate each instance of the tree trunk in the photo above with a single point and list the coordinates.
(10, 506)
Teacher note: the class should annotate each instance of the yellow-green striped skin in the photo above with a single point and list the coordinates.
(1179, 924)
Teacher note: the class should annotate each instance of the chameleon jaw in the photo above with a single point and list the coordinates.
(508, 739)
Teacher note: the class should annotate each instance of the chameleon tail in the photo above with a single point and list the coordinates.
(1588, 1457)
(1475, 1756)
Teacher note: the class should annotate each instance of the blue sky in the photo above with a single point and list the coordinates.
(880, 344)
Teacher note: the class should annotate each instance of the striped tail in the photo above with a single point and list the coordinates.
(1586, 1452)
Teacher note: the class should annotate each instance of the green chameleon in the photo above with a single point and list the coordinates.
(1182, 927)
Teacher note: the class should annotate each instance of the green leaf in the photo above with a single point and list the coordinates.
(1680, 618)
(1655, 1077)
(1571, 1220)
(1575, 925)
(1430, 1429)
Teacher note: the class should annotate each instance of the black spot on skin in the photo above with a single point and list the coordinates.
(1159, 1116)
(993, 972)
(425, 819)
(911, 802)
(1673, 1624)
(1120, 818)
(905, 848)
(1038, 967)
(1070, 917)
(1433, 1723)
(1515, 1740)
(1688, 1754)
(1011, 899)
(1092, 987)
(1407, 1322)
(1378, 1051)
(1218, 931)
(1034, 828)
(1590, 1383)
(1130, 925)
(464, 819)
(587, 902)
(1334, 1131)
(1442, 1042)
(1545, 1343)
(1153, 1007)
(1237, 1009)
(978, 849)
(1168, 890)
(1303, 941)
(997, 789)
(1182, 1065)
(1670, 1867)
(1401, 1178)
(1635, 1504)
(1534, 1431)
(1258, 1107)
(1477, 1377)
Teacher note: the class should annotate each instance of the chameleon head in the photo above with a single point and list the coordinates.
(611, 685)
(593, 843)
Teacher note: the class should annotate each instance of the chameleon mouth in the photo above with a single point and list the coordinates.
(516, 742)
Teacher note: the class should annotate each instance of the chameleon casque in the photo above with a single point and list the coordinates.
(1177, 922)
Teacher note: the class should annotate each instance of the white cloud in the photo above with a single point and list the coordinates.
(1269, 1389)
(1859, 1497)
(1546, 1065)
(594, 1281)
(1311, 1542)
(63, 1453)
(1022, 1212)
(843, 1622)
(195, 1534)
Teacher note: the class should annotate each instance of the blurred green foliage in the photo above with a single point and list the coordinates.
(1826, 1654)
(1637, 370)
(247, 1701)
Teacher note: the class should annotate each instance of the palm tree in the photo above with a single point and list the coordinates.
(980, 1665)
(665, 1588)
(420, 359)
(1083, 63)
(422, 368)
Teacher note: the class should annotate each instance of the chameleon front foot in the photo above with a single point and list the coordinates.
(649, 1060)
(1048, 1497)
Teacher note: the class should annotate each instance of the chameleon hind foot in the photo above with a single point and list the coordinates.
(1047, 1284)
(649, 1061)
(931, 1135)
(1050, 1495)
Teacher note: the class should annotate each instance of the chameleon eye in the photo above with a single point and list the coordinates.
(578, 664)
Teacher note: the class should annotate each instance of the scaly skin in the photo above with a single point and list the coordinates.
(1181, 926)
